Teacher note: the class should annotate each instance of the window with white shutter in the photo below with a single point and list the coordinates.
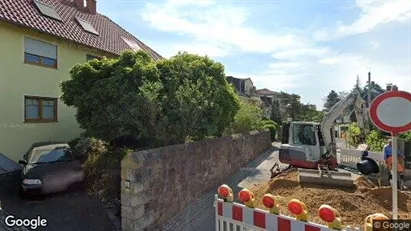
(40, 53)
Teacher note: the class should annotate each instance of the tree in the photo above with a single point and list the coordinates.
(248, 118)
(275, 112)
(290, 105)
(151, 103)
(309, 112)
(331, 100)
(357, 83)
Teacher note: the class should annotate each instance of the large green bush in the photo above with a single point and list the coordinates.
(148, 103)
(375, 141)
(353, 135)
(406, 136)
(248, 118)
(272, 126)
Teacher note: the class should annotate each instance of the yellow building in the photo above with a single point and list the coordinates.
(39, 42)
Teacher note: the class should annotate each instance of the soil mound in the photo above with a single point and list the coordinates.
(354, 204)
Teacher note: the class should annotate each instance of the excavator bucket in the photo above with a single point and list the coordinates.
(327, 178)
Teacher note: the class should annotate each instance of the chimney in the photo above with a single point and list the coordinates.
(79, 4)
(92, 6)
(389, 87)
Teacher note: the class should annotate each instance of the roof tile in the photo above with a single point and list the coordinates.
(24, 13)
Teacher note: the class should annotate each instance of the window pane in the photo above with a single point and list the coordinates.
(304, 135)
(48, 102)
(32, 112)
(49, 62)
(48, 112)
(296, 133)
(309, 135)
(51, 155)
(32, 102)
(31, 58)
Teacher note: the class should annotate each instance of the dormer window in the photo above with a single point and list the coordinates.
(47, 10)
(133, 45)
(87, 26)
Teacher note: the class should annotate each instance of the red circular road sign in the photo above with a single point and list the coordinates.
(391, 112)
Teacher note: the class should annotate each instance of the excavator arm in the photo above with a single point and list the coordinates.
(327, 123)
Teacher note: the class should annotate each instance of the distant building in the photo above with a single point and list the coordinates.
(268, 97)
(245, 89)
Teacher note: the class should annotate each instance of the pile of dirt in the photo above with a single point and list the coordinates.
(354, 204)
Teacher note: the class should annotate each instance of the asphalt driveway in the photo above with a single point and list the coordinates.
(70, 211)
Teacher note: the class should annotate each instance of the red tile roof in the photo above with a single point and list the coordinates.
(25, 13)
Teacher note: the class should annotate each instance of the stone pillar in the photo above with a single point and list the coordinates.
(135, 195)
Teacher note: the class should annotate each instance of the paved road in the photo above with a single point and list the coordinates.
(69, 211)
(200, 215)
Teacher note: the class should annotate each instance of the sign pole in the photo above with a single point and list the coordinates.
(394, 178)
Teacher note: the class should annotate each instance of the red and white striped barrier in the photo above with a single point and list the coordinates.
(231, 216)
(256, 219)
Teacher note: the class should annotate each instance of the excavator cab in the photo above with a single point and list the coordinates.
(301, 145)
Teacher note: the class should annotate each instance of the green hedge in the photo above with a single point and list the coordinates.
(272, 126)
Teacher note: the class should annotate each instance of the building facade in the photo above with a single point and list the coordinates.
(267, 96)
(40, 42)
(245, 89)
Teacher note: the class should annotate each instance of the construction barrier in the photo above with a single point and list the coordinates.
(350, 157)
(232, 216)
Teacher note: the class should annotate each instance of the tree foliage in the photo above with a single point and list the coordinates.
(272, 126)
(309, 112)
(332, 99)
(375, 141)
(275, 112)
(357, 83)
(353, 135)
(151, 103)
(248, 118)
(290, 105)
(406, 136)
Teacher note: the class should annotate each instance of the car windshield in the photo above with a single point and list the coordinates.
(50, 155)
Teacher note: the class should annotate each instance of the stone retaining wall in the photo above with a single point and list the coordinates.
(158, 183)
